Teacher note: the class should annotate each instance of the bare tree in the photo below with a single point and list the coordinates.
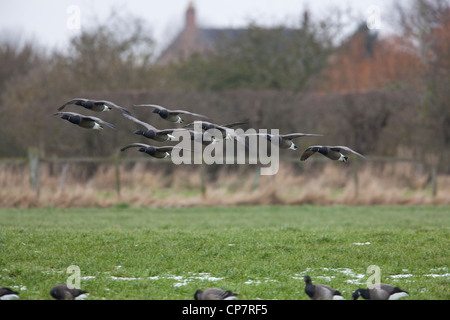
(426, 23)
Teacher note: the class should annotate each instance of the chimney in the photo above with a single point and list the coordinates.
(190, 17)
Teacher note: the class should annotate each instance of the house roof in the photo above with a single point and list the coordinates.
(195, 39)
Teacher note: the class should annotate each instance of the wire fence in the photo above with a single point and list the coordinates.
(35, 160)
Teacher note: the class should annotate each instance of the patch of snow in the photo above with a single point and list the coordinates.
(361, 243)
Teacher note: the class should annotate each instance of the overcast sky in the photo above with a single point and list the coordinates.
(51, 22)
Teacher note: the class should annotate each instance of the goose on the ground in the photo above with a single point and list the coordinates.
(170, 115)
(331, 152)
(215, 294)
(151, 132)
(8, 294)
(156, 152)
(321, 291)
(63, 292)
(94, 105)
(380, 291)
(87, 122)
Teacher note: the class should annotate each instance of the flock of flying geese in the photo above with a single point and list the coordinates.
(380, 291)
(338, 153)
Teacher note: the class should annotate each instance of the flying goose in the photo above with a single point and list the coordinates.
(285, 140)
(222, 127)
(331, 152)
(63, 292)
(210, 139)
(87, 122)
(8, 294)
(203, 137)
(228, 125)
(380, 291)
(321, 291)
(170, 115)
(94, 105)
(152, 132)
(215, 294)
(228, 133)
(156, 152)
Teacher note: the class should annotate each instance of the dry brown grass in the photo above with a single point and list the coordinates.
(166, 185)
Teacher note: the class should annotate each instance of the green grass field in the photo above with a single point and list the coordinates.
(261, 252)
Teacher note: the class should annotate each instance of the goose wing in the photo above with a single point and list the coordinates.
(340, 148)
(72, 102)
(135, 145)
(187, 112)
(154, 106)
(69, 113)
(169, 148)
(171, 130)
(291, 136)
(145, 124)
(112, 104)
(101, 121)
(234, 124)
(308, 153)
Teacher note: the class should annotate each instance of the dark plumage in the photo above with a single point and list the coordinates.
(380, 291)
(94, 105)
(8, 294)
(152, 132)
(156, 152)
(321, 291)
(331, 152)
(63, 292)
(170, 115)
(83, 121)
(215, 294)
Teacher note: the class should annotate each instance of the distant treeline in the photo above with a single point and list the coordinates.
(262, 78)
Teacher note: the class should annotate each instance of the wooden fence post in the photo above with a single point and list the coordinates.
(256, 178)
(117, 172)
(33, 160)
(433, 181)
(356, 178)
(62, 180)
(202, 179)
